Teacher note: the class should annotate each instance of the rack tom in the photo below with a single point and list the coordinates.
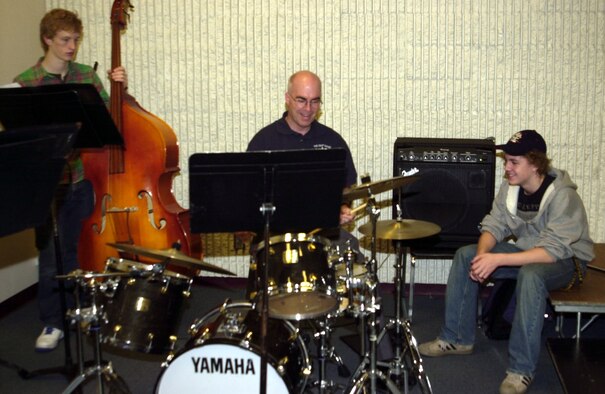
(301, 282)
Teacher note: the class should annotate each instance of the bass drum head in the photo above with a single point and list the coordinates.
(216, 368)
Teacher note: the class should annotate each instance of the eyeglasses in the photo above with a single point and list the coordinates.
(302, 102)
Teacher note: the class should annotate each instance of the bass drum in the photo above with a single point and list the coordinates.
(224, 355)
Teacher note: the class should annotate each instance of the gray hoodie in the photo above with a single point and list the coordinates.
(560, 226)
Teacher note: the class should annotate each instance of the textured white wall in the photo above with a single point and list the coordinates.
(216, 72)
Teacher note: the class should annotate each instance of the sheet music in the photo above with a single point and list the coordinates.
(10, 85)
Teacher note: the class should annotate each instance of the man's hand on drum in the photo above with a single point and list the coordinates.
(346, 214)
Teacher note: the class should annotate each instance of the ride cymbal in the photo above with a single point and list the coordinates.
(401, 229)
(171, 256)
(365, 190)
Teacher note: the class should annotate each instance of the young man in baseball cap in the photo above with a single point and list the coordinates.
(538, 208)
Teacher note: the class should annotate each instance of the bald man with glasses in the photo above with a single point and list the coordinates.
(298, 128)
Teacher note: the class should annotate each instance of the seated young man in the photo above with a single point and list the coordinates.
(539, 209)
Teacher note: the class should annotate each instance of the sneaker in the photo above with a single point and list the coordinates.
(514, 383)
(48, 339)
(439, 347)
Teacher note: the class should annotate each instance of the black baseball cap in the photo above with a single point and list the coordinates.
(523, 142)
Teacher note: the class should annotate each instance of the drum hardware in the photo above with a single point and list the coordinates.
(368, 372)
(325, 353)
(170, 256)
(407, 358)
(91, 318)
(353, 284)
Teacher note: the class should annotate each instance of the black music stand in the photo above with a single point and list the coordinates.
(31, 161)
(60, 104)
(31, 164)
(56, 105)
(268, 191)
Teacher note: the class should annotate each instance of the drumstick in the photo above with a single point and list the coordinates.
(353, 212)
(359, 208)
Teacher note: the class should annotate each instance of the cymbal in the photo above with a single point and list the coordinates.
(364, 190)
(401, 229)
(171, 256)
(80, 274)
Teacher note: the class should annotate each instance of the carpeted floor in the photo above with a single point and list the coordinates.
(480, 372)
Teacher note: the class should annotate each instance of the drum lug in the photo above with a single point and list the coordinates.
(168, 360)
(245, 342)
(281, 369)
(187, 292)
(149, 341)
(115, 332)
(172, 339)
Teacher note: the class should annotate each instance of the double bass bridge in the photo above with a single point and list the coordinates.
(106, 210)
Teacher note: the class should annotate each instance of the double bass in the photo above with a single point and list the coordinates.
(134, 202)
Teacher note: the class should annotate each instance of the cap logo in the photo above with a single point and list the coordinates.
(516, 137)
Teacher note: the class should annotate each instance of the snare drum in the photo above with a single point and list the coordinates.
(143, 309)
(223, 355)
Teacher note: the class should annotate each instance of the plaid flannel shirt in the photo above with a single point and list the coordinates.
(76, 73)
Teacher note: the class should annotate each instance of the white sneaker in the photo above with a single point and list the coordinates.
(48, 339)
(515, 384)
(438, 348)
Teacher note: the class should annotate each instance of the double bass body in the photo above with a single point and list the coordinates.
(134, 203)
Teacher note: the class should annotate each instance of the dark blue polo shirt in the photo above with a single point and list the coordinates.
(279, 136)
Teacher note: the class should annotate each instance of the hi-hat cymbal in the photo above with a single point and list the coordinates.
(401, 229)
(365, 190)
(171, 256)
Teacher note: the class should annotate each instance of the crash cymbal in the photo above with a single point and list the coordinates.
(365, 190)
(170, 256)
(401, 229)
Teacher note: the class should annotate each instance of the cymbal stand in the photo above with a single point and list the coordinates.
(367, 371)
(404, 342)
(100, 369)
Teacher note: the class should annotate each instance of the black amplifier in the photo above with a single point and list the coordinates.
(455, 187)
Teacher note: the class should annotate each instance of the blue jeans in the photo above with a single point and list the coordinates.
(533, 284)
(76, 206)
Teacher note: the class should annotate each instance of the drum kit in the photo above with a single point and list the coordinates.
(310, 283)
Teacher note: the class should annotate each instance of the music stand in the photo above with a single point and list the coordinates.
(279, 191)
(60, 104)
(31, 164)
(42, 106)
